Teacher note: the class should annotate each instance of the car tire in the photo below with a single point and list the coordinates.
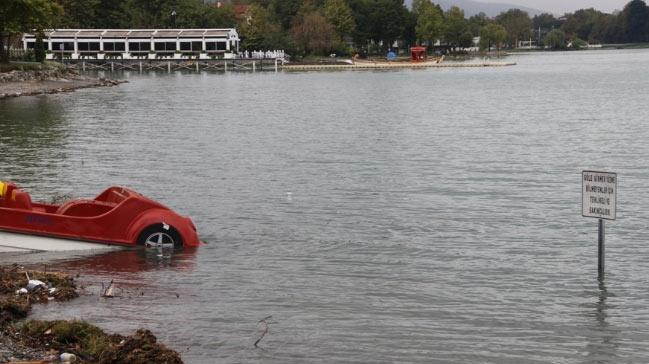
(160, 235)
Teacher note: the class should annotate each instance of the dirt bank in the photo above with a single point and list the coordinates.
(47, 340)
(37, 82)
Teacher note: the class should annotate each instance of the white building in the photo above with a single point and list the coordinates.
(137, 43)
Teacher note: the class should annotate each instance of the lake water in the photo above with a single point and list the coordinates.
(395, 216)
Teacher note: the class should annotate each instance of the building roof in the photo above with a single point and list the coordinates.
(192, 33)
(63, 33)
(89, 33)
(137, 33)
(166, 33)
(216, 33)
(115, 33)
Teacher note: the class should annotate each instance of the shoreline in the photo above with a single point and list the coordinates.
(40, 82)
(23, 339)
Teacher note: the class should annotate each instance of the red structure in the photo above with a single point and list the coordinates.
(117, 216)
(418, 54)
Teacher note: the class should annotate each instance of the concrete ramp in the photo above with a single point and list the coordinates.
(17, 243)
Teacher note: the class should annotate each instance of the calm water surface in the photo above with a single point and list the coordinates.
(400, 216)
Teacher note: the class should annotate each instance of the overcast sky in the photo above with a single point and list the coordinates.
(563, 6)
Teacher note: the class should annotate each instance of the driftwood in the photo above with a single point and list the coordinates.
(264, 325)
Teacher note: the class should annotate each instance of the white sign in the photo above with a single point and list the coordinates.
(598, 194)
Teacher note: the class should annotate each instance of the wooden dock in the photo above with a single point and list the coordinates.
(257, 65)
(170, 65)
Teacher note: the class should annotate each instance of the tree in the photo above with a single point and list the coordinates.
(517, 24)
(581, 23)
(79, 13)
(456, 27)
(387, 21)
(635, 21)
(212, 17)
(430, 22)
(313, 34)
(39, 47)
(284, 11)
(113, 14)
(409, 36)
(378, 22)
(608, 29)
(19, 16)
(417, 5)
(492, 35)
(466, 40)
(545, 21)
(476, 23)
(259, 32)
(339, 14)
(542, 24)
(577, 43)
(556, 39)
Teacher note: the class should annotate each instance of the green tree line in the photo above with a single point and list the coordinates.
(320, 27)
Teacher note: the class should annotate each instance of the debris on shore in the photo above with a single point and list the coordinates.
(90, 344)
(53, 341)
(36, 82)
(20, 289)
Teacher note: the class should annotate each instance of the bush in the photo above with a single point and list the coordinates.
(577, 43)
(556, 39)
(29, 56)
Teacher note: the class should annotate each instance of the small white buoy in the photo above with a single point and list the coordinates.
(289, 196)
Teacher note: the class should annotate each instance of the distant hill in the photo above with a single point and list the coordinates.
(472, 7)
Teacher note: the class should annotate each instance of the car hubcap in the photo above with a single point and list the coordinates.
(159, 240)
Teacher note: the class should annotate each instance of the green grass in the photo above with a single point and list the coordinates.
(626, 46)
(88, 339)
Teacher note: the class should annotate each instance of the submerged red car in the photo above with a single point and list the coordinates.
(118, 216)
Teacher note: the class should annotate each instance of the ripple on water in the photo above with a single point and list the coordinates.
(411, 216)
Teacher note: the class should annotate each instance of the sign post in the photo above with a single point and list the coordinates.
(599, 200)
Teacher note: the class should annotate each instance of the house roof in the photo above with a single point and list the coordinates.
(136, 33)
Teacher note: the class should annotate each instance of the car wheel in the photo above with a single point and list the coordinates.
(160, 236)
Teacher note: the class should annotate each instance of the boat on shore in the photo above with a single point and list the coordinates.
(116, 217)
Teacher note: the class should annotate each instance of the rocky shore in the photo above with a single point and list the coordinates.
(48, 81)
(56, 341)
